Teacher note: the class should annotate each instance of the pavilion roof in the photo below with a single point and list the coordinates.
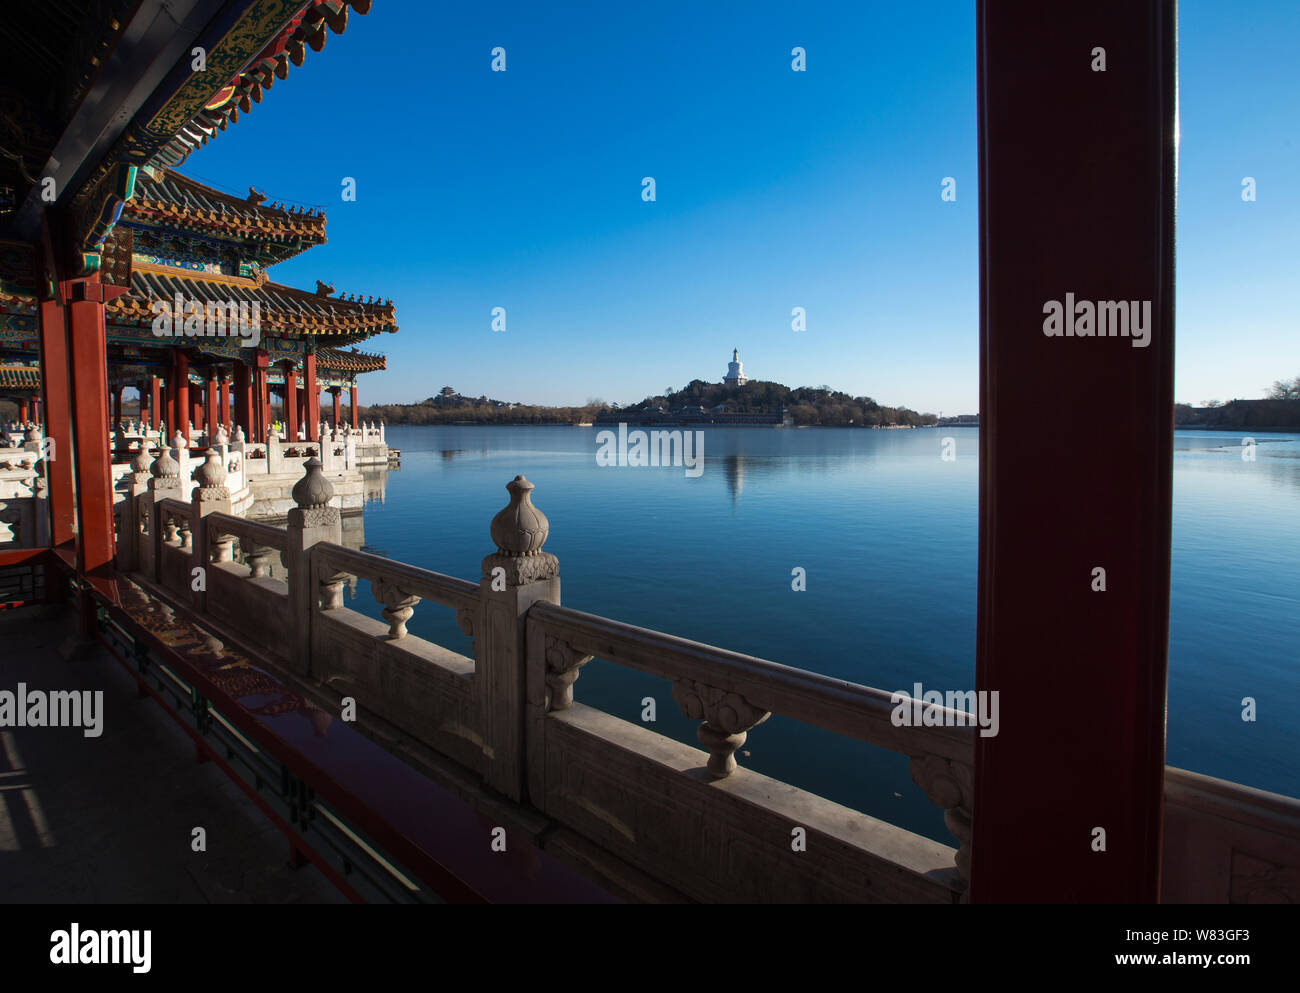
(283, 309)
(306, 28)
(350, 361)
(168, 199)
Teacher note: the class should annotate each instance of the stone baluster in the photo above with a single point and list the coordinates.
(258, 558)
(562, 665)
(949, 785)
(331, 589)
(398, 605)
(727, 716)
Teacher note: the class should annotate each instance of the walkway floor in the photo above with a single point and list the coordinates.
(110, 819)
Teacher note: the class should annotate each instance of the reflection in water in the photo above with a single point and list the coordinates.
(374, 482)
(733, 467)
(817, 498)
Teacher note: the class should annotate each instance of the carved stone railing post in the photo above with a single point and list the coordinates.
(133, 511)
(164, 484)
(211, 496)
(514, 577)
(312, 521)
(274, 459)
(728, 718)
(949, 785)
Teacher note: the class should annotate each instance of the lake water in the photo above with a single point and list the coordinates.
(886, 531)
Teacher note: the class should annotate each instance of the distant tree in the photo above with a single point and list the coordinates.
(1211, 403)
(1282, 390)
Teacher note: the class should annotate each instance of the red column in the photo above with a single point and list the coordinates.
(36, 409)
(57, 384)
(244, 400)
(1078, 658)
(181, 409)
(335, 393)
(117, 407)
(153, 403)
(354, 405)
(291, 401)
(210, 397)
(225, 401)
(261, 395)
(22, 410)
(312, 412)
(91, 465)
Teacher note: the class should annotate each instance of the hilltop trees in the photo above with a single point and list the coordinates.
(807, 404)
(1282, 390)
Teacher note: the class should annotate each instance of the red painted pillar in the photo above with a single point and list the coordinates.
(335, 392)
(225, 400)
(181, 413)
(312, 412)
(36, 409)
(210, 395)
(262, 395)
(354, 406)
(22, 410)
(153, 403)
(291, 402)
(1068, 795)
(56, 382)
(91, 465)
(243, 400)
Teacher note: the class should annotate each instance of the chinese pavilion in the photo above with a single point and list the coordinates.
(152, 237)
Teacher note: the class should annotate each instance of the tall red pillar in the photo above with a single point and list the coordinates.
(243, 400)
(22, 410)
(36, 409)
(92, 468)
(354, 405)
(153, 403)
(336, 392)
(1068, 794)
(181, 411)
(312, 413)
(210, 396)
(224, 406)
(261, 395)
(56, 381)
(291, 402)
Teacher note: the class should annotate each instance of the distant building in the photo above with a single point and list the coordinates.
(735, 371)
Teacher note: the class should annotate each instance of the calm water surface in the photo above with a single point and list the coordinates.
(886, 531)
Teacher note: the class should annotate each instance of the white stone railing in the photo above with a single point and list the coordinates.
(731, 694)
(506, 712)
(653, 817)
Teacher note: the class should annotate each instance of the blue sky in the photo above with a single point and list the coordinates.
(775, 189)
